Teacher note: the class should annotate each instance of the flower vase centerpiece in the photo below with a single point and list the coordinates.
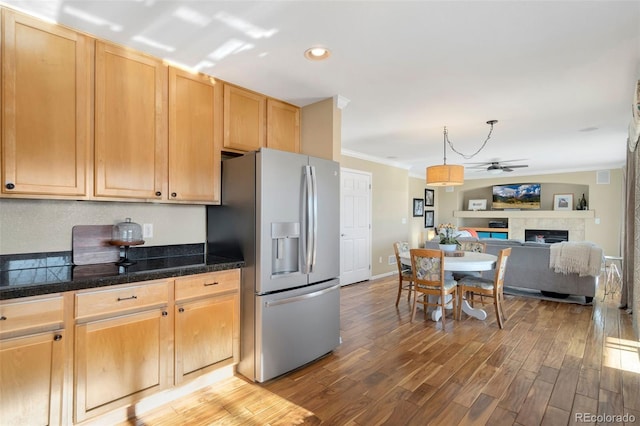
(448, 241)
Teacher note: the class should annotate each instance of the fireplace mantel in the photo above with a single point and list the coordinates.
(519, 220)
(526, 214)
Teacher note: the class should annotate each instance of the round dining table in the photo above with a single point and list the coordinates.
(469, 262)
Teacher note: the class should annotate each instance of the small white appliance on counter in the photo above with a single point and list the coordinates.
(281, 212)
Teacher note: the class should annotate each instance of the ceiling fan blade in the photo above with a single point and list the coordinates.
(506, 169)
(515, 166)
(485, 163)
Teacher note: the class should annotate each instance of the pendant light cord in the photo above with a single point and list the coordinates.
(465, 156)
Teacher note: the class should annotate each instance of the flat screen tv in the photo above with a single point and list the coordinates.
(516, 196)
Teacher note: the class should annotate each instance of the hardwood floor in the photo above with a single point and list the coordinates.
(553, 364)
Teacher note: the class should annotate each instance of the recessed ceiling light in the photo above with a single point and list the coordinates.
(317, 53)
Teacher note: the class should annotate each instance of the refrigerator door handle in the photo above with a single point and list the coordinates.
(307, 228)
(314, 245)
(301, 297)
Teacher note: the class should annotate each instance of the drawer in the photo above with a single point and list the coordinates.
(122, 298)
(207, 284)
(21, 314)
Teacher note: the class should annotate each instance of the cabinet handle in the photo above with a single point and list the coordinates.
(165, 313)
(213, 283)
(57, 337)
(3, 318)
(9, 186)
(173, 194)
(158, 193)
(181, 310)
(120, 299)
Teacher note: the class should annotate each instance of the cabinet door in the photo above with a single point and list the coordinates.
(206, 334)
(46, 107)
(31, 378)
(244, 119)
(119, 360)
(195, 126)
(130, 124)
(283, 126)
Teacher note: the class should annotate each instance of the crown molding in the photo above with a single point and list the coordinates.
(374, 159)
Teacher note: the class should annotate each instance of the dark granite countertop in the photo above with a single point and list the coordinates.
(49, 277)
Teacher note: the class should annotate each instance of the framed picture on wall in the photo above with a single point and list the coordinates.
(429, 219)
(429, 197)
(563, 201)
(477, 205)
(418, 207)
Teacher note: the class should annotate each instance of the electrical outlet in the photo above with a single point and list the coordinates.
(147, 230)
(380, 260)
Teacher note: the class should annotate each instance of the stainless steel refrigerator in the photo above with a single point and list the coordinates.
(281, 212)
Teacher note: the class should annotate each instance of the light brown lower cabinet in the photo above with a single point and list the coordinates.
(207, 322)
(127, 343)
(32, 360)
(31, 379)
(205, 334)
(123, 353)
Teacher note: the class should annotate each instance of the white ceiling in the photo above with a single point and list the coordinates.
(558, 76)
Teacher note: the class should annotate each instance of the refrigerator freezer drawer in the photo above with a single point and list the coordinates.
(296, 327)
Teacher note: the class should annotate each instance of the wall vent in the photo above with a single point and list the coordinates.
(603, 177)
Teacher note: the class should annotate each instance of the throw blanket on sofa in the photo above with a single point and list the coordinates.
(582, 258)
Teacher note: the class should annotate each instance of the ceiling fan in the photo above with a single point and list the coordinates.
(497, 167)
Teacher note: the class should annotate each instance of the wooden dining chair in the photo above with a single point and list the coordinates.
(404, 271)
(474, 247)
(427, 266)
(485, 287)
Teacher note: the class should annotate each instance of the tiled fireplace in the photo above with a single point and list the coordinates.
(574, 227)
(546, 235)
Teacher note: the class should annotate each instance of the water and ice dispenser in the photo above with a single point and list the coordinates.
(285, 248)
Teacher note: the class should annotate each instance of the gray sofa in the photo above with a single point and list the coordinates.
(528, 268)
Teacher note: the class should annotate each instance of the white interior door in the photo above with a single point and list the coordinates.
(355, 226)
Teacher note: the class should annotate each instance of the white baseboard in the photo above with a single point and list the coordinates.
(386, 274)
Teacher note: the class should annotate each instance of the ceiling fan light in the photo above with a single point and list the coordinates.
(445, 175)
(495, 171)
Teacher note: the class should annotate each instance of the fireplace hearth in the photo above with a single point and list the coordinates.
(546, 235)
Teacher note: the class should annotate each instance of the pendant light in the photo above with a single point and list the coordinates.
(451, 174)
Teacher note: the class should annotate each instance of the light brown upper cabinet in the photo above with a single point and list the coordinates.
(46, 108)
(244, 119)
(283, 126)
(195, 131)
(130, 124)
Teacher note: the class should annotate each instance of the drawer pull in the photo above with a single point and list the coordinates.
(57, 337)
(3, 318)
(181, 310)
(120, 299)
(165, 313)
(213, 283)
